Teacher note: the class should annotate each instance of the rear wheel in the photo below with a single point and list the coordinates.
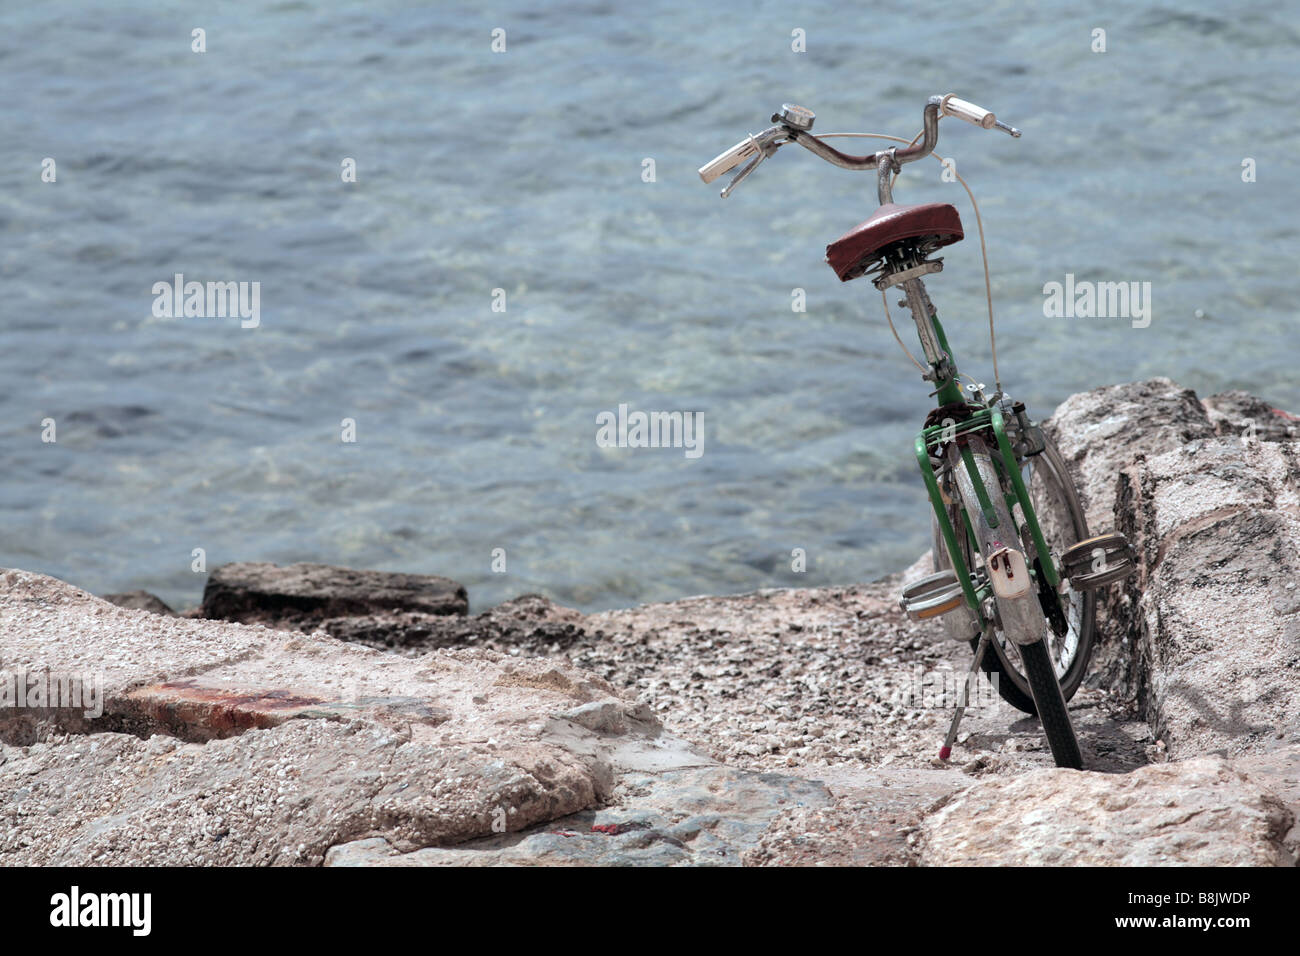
(1069, 645)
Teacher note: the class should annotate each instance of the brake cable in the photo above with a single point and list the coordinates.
(979, 222)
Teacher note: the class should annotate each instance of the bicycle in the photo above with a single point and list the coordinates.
(1015, 568)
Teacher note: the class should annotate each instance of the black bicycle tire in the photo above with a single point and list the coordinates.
(1050, 704)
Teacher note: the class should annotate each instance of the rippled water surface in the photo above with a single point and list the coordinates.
(522, 171)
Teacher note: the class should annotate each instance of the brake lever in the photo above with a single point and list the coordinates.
(765, 150)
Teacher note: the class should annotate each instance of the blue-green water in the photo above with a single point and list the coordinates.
(523, 171)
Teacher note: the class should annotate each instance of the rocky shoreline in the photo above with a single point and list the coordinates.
(311, 715)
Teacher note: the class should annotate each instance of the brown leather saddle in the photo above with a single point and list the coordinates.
(930, 225)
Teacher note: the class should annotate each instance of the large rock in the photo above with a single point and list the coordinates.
(1239, 414)
(278, 796)
(381, 605)
(708, 816)
(1205, 637)
(1215, 607)
(527, 624)
(1104, 430)
(140, 601)
(1278, 770)
(1199, 812)
(873, 821)
(225, 743)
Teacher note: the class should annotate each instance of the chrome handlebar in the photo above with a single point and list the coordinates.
(794, 125)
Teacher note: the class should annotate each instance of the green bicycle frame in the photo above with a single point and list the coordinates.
(983, 417)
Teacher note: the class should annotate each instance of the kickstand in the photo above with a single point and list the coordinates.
(946, 751)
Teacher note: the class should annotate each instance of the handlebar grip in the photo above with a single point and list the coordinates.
(971, 113)
(728, 160)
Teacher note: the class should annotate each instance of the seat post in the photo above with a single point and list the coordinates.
(918, 303)
(942, 371)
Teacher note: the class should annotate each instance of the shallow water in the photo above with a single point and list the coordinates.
(522, 171)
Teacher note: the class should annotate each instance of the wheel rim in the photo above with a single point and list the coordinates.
(1059, 523)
